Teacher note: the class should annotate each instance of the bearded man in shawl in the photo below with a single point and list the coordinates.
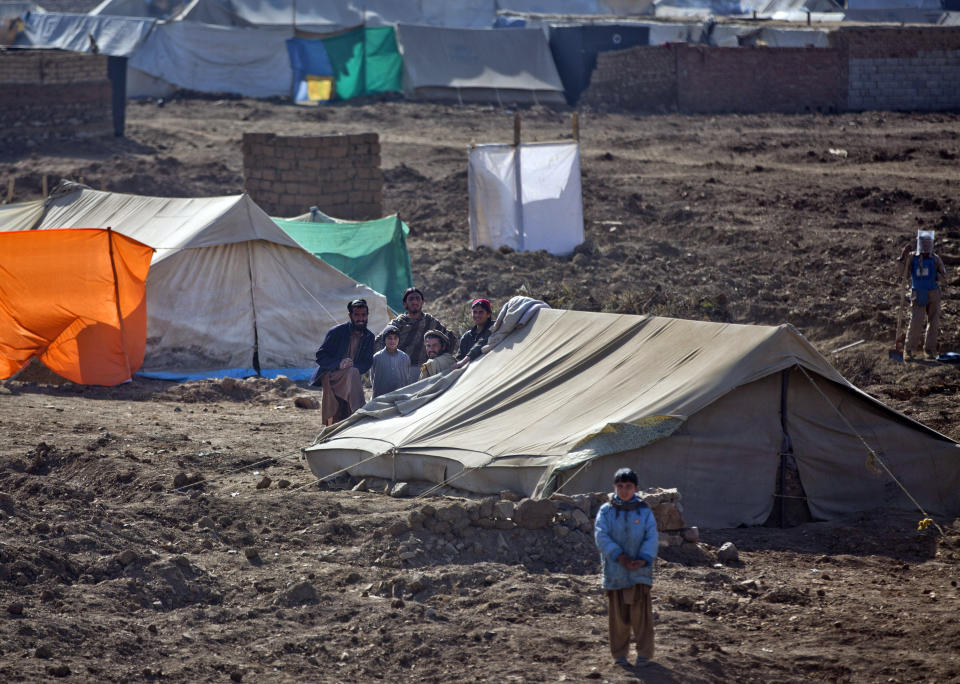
(345, 355)
(439, 360)
(626, 535)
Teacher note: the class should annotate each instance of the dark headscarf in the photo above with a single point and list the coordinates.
(409, 291)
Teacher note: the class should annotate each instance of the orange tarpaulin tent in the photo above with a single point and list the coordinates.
(76, 299)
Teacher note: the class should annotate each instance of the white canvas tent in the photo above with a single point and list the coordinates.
(478, 65)
(214, 59)
(225, 280)
(543, 209)
(115, 36)
(705, 407)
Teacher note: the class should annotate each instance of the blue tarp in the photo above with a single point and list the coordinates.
(307, 58)
(295, 374)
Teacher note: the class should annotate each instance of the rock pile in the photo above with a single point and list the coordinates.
(552, 533)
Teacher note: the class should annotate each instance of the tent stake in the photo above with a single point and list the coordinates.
(517, 169)
(575, 123)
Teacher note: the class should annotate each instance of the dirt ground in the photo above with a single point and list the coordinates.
(135, 544)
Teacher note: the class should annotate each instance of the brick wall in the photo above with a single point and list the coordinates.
(48, 95)
(759, 79)
(340, 174)
(915, 68)
(639, 78)
(888, 67)
(699, 78)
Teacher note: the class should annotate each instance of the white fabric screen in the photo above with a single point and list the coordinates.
(549, 214)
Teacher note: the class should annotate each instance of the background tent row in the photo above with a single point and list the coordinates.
(76, 300)
(543, 64)
(543, 60)
(333, 15)
(228, 290)
(706, 407)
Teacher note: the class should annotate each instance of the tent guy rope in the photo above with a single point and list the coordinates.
(874, 457)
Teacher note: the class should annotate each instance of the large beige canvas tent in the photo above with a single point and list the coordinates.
(705, 407)
(225, 281)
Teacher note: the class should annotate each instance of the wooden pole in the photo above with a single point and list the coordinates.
(516, 129)
(43, 186)
(10, 190)
(575, 122)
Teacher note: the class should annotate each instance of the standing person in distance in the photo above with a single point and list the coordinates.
(925, 270)
(626, 535)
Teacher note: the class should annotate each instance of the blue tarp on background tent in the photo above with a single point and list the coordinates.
(308, 58)
(575, 50)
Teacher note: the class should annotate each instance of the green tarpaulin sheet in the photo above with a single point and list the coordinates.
(365, 61)
(371, 252)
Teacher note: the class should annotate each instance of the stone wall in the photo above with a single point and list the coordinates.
(49, 95)
(340, 174)
(906, 68)
(916, 68)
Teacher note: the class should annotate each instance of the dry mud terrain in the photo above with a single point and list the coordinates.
(135, 544)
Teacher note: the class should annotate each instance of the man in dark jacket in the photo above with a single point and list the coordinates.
(412, 326)
(345, 355)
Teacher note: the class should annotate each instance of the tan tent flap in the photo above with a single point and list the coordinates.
(537, 403)
(827, 453)
(22, 216)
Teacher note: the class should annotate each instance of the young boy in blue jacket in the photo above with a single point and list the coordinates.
(626, 534)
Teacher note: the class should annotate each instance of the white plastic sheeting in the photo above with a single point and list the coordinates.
(135, 8)
(217, 59)
(893, 4)
(335, 15)
(489, 64)
(550, 213)
(17, 8)
(114, 36)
